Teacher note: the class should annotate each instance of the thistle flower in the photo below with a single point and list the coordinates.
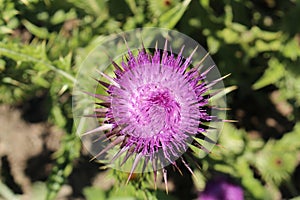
(156, 105)
(220, 188)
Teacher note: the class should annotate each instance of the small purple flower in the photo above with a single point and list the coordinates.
(157, 103)
(221, 189)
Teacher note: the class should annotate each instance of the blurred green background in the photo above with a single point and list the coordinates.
(43, 42)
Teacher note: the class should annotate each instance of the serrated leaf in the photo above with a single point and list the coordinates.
(97, 8)
(26, 54)
(291, 49)
(170, 18)
(252, 184)
(290, 141)
(274, 72)
(9, 12)
(275, 164)
(64, 63)
(232, 139)
(158, 7)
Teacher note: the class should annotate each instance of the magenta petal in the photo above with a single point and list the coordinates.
(158, 103)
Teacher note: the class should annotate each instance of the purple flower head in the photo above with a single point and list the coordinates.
(155, 103)
(155, 108)
(221, 189)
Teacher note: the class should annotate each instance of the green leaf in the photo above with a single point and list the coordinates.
(252, 184)
(97, 8)
(230, 36)
(58, 17)
(132, 5)
(232, 139)
(69, 150)
(5, 30)
(275, 163)
(39, 190)
(291, 49)
(127, 192)
(61, 16)
(204, 3)
(170, 18)
(274, 72)
(263, 46)
(38, 80)
(7, 193)
(290, 141)
(199, 180)
(296, 198)
(92, 193)
(9, 11)
(265, 35)
(59, 118)
(30, 54)
(35, 30)
(213, 44)
(2, 65)
(158, 7)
